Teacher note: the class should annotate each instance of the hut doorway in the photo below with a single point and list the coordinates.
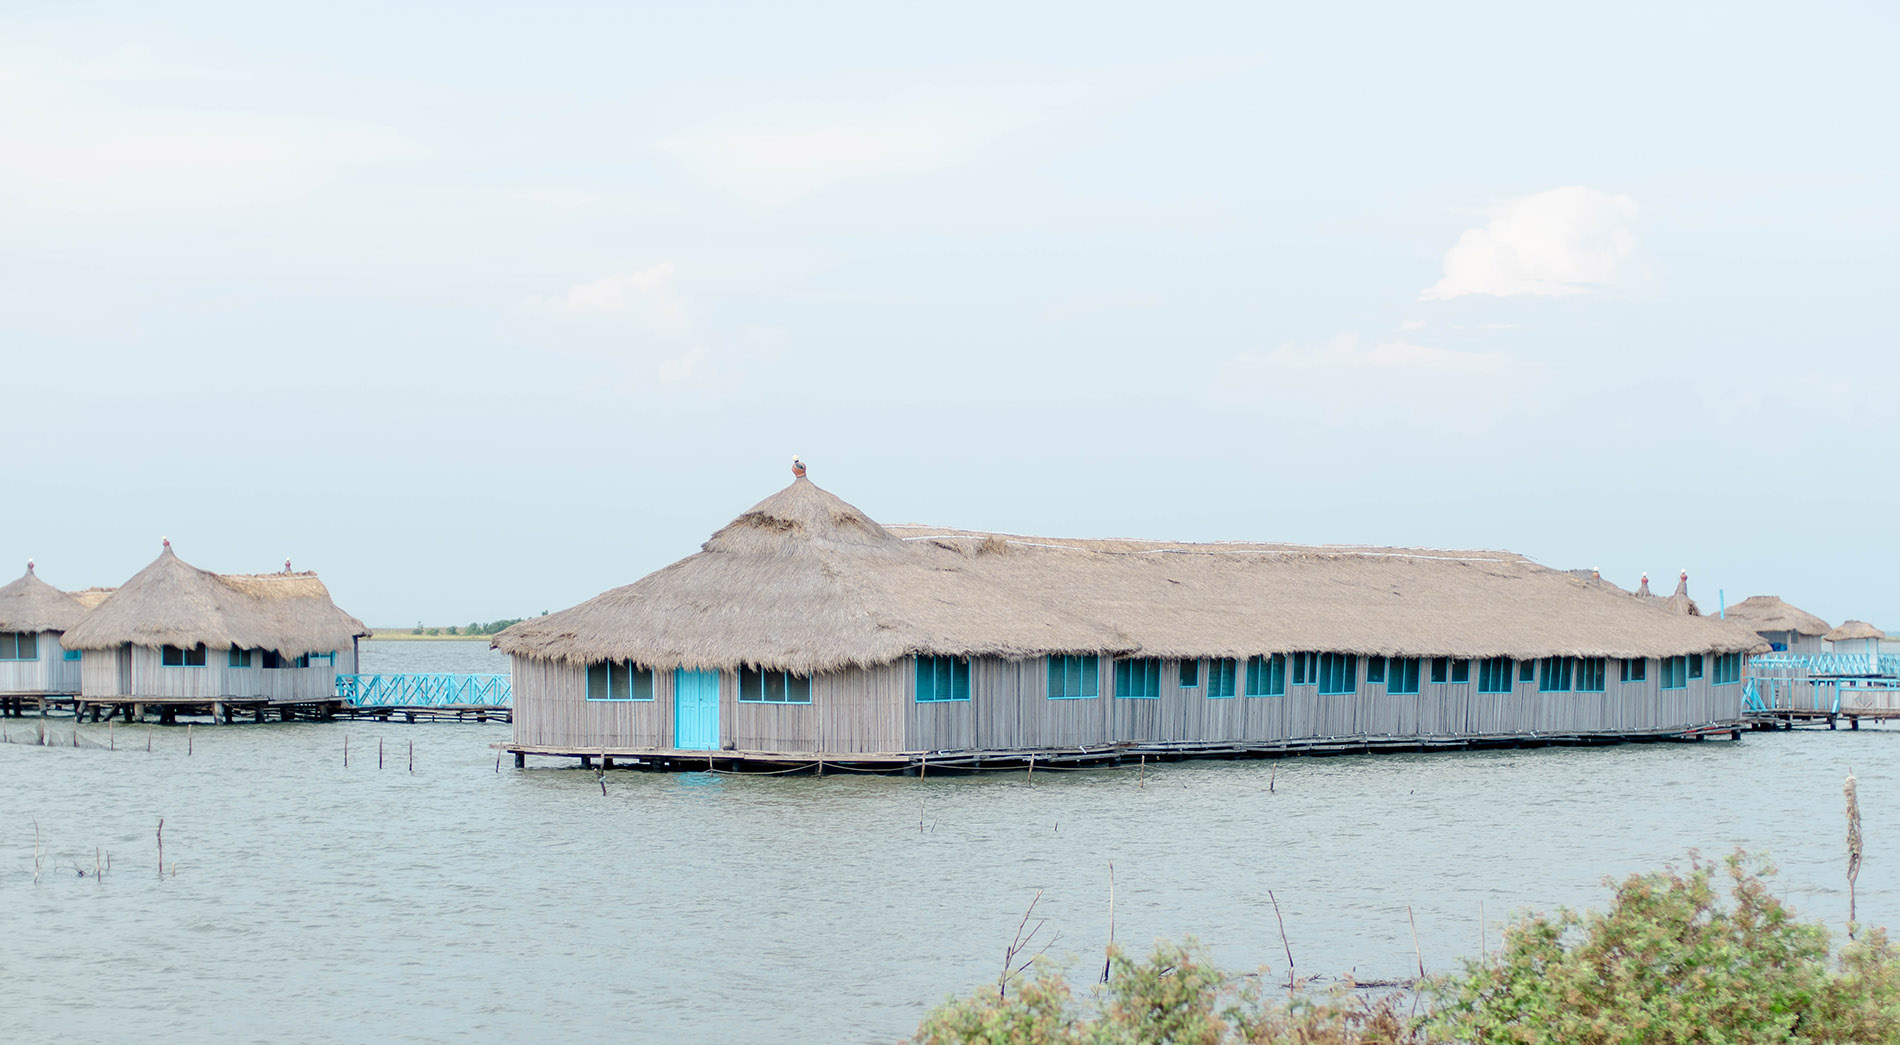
(695, 710)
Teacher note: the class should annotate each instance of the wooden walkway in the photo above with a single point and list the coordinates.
(921, 763)
(166, 711)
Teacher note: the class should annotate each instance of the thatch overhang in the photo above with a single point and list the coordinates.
(805, 582)
(1849, 630)
(1769, 613)
(173, 603)
(31, 604)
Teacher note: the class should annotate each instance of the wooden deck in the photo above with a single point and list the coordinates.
(1126, 753)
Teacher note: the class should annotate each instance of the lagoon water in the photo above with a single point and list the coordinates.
(304, 901)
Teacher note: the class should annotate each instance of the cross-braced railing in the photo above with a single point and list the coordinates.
(426, 690)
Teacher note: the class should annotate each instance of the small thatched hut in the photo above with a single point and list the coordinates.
(1785, 628)
(33, 617)
(175, 632)
(804, 629)
(1856, 640)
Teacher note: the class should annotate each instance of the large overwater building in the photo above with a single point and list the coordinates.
(804, 631)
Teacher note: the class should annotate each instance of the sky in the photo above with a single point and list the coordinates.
(479, 310)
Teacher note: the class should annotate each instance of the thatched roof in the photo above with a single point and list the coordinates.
(172, 602)
(1680, 602)
(1769, 613)
(806, 582)
(90, 598)
(1854, 629)
(31, 604)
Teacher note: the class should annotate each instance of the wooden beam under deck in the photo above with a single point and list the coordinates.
(1125, 753)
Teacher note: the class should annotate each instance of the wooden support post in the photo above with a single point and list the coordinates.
(587, 761)
(217, 711)
(606, 761)
(521, 760)
(1853, 722)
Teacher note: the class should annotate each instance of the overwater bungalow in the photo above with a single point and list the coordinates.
(804, 631)
(179, 638)
(34, 616)
(1786, 629)
(1856, 640)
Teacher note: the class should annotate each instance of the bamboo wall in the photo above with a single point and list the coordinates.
(139, 671)
(50, 673)
(875, 710)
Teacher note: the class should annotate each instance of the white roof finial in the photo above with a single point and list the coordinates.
(798, 467)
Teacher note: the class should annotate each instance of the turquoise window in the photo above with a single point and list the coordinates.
(1375, 670)
(619, 680)
(1190, 674)
(1695, 665)
(19, 645)
(1305, 667)
(770, 687)
(1338, 674)
(238, 658)
(1494, 675)
(1555, 675)
(1675, 672)
(305, 660)
(942, 678)
(1266, 676)
(1590, 674)
(1401, 675)
(1635, 669)
(1138, 678)
(1441, 669)
(1727, 669)
(176, 657)
(73, 654)
(1461, 671)
(1220, 676)
(1527, 671)
(1074, 677)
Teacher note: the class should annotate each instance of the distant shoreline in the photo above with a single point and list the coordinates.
(404, 634)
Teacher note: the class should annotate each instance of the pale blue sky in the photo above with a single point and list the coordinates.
(480, 312)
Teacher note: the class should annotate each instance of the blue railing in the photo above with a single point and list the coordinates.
(426, 690)
(1824, 664)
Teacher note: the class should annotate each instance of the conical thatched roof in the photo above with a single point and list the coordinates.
(1854, 629)
(1769, 613)
(805, 582)
(31, 604)
(1680, 602)
(172, 602)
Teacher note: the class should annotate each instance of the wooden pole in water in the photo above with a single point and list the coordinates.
(1853, 847)
(1032, 768)
(187, 738)
(112, 744)
(161, 847)
(1283, 940)
(379, 752)
(412, 756)
(148, 739)
(346, 751)
(1108, 957)
(1141, 781)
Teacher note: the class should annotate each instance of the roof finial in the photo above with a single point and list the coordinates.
(29, 565)
(167, 541)
(1596, 574)
(798, 467)
(286, 564)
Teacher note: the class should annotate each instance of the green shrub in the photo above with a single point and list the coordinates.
(1670, 962)
(1673, 960)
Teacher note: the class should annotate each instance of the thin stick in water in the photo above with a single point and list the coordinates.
(1418, 988)
(412, 756)
(1141, 780)
(1851, 790)
(1283, 941)
(379, 752)
(346, 751)
(187, 738)
(161, 847)
(1108, 958)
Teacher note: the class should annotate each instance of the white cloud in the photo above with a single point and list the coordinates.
(1412, 324)
(1555, 243)
(647, 301)
(1346, 381)
(775, 154)
(684, 368)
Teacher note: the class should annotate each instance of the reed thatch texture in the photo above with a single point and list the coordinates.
(172, 602)
(31, 604)
(1679, 601)
(1848, 630)
(1769, 613)
(806, 582)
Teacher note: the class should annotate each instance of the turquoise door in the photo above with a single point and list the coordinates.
(695, 710)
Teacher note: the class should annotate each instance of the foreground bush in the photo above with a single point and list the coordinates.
(1672, 960)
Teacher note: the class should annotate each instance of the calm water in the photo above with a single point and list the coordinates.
(313, 902)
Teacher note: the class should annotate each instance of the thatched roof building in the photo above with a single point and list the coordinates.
(173, 603)
(31, 604)
(805, 582)
(1849, 630)
(1769, 613)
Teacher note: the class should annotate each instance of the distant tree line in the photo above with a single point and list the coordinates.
(472, 628)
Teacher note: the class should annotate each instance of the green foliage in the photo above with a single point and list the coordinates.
(1671, 962)
(1175, 997)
